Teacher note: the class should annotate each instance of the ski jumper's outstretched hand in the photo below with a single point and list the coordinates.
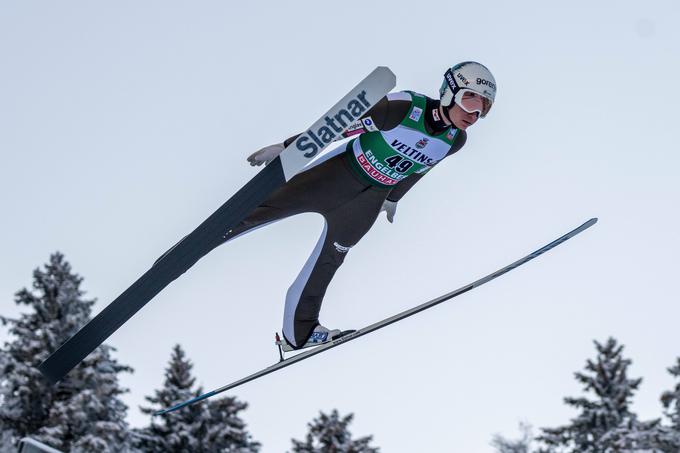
(390, 208)
(265, 155)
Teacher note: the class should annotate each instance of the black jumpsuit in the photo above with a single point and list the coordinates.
(349, 205)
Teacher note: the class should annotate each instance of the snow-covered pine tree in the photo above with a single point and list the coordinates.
(176, 431)
(330, 434)
(212, 426)
(83, 412)
(605, 423)
(92, 418)
(225, 431)
(671, 399)
(522, 445)
(671, 403)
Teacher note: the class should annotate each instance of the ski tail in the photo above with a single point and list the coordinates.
(170, 266)
(185, 403)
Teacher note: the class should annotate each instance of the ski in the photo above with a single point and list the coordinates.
(188, 251)
(380, 324)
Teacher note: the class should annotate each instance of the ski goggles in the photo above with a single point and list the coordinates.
(473, 102)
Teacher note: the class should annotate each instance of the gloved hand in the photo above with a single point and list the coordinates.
(390, 208)
(266, 154)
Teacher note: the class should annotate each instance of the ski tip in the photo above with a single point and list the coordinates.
(387, 72)
(584, 226)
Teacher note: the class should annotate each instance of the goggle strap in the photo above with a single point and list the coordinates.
(450, 80)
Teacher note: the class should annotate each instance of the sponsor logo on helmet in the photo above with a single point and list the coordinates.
(415, 113)
(435, 115)
(422, 143)
(463, 79)
(488, 83)
(449, 79)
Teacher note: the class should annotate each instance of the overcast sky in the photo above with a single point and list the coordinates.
(124, 124)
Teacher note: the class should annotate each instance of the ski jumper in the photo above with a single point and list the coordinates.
(400, 139)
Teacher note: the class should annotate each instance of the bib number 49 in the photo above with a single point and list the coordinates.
(399, 163)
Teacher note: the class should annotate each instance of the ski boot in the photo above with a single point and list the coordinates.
(319, 336)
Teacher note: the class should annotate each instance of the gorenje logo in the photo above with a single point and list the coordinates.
(488, 83)
(310, 142)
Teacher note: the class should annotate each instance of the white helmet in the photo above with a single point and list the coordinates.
(468, 76)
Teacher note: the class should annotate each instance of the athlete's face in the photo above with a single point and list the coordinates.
(462, 119)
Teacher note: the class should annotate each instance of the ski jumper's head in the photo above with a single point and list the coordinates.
(467, 93)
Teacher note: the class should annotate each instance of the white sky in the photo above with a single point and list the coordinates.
(123, 125)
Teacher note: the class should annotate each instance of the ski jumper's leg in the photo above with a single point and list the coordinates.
(306, 192)
(345, 226)
(303, 193)
(277, 207)
(261, 217)
(298, 195)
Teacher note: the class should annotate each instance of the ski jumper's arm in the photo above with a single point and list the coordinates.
(384, 115)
